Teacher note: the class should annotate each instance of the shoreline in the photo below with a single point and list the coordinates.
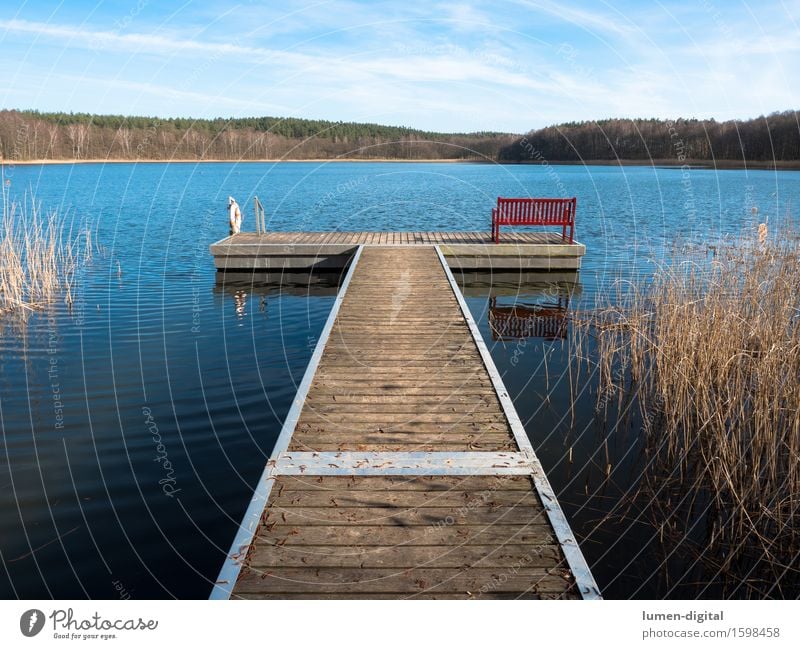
(669, 163)
(25, 163)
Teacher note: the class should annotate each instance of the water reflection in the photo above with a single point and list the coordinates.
(528, 320)
(541, 283)
(522, 306)
(261, 286)
(237, 288)
(240, 300)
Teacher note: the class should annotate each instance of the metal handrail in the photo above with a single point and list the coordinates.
(261, 221)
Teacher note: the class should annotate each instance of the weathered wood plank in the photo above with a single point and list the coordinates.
(355, 445)
(384, 438)
(348, 428)
(422, 516)
(415, 580)
(381, 400)
(379, 535)
(365, 414)
(426, 595)
(406, 499)
(393, 556)
(401, 483)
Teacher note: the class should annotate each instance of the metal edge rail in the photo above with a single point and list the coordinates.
(229, 573)
(222, 241)
(584, 580)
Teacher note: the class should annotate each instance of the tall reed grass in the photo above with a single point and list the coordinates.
(710, 351)
(40, 253)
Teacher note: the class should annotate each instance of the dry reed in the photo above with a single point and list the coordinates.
(710, 348)
(39, 256)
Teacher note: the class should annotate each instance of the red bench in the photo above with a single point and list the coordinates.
(534, 211)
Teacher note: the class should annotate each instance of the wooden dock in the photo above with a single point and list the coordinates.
(402, 469)
(297, 251)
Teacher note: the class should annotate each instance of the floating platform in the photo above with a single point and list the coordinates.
(402, 469)
(466, 251)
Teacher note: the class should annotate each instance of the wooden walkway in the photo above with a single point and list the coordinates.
(402, 470)
(397, 238)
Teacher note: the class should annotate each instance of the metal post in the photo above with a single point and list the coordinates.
(261, 222)
(255, 213)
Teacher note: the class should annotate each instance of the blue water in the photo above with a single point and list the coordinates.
(172, 382)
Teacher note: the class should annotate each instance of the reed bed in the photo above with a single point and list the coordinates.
(709, 348)
(40, 252)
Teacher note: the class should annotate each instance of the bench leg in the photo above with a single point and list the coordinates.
(564, 232)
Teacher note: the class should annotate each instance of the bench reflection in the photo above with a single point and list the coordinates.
(524, 305)
(521, 320)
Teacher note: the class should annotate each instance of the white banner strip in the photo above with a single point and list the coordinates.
(388, 624)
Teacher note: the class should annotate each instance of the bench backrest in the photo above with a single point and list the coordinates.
(537, 211)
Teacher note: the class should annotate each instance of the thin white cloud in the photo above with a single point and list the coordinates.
(456, 64)
(137, 42)
(461, 69)
(464, 16)
(588, 20)
(776, 45)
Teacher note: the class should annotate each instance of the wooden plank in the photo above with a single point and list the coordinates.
(399, 483)
(355, 444)
(379, 535)
(320, 399)
(407, 385)
(397, 423)
(393, 556)
(414, 580)
(355, 418)
(422, 516)
(361, 387)
(380, 436)
(406, 499)
(408, 411)
(483, 440)
(425, 357)
(322, 595)
(365, 536)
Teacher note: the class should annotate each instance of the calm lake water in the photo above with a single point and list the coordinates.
(136, 424)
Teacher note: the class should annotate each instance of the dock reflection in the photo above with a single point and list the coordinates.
(262, 285)
(249, 292)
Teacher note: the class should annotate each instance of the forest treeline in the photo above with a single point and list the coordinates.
(31, 135)
(763, 139)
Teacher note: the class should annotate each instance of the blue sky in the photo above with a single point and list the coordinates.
(449, 66)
